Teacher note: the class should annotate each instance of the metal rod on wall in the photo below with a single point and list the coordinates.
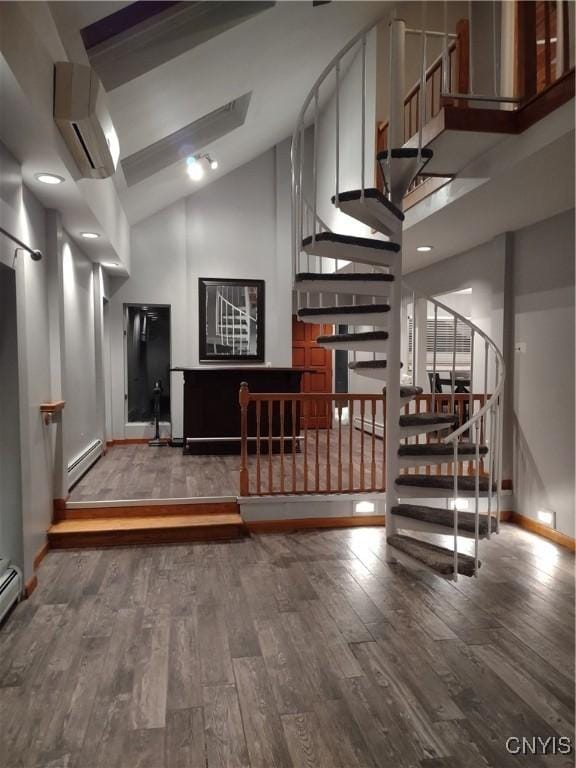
(36, 254)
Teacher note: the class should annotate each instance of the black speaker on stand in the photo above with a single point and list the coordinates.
(156, 442)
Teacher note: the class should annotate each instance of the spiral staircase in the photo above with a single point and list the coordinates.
(366, 294)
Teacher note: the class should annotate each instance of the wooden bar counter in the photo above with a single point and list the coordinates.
(212, 411)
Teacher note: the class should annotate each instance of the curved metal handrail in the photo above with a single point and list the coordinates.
(296, 149)
(498, 389)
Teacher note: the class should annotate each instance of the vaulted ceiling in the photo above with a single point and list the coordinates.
(226, 78)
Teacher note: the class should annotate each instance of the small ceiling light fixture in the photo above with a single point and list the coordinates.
(89, 235)
(48, 178)
(197, 165)
(424, 248)
(194, 168)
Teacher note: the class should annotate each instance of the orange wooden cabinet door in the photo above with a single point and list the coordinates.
(316, 414)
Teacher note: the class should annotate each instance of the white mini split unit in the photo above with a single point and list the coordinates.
(81, 113)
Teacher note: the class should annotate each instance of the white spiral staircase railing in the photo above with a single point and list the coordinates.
(344, 279)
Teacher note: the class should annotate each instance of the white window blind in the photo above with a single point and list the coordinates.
(444, 344)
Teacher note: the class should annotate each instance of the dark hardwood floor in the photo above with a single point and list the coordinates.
(305, 650)
(141, 472)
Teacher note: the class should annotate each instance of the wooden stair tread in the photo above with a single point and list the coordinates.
(437, 558)
(107, 524)
(426, 419)
(441, 449)
(445, 518)
(446, 482)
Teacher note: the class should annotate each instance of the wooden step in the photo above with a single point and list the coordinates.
(162, 529)
(130, 508)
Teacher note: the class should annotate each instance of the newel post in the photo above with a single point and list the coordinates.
(463, 58)
(244, 398)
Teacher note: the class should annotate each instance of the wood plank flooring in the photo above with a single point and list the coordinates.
(305, 650)
(141, 472)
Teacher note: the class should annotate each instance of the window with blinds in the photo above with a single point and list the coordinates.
(444, 344)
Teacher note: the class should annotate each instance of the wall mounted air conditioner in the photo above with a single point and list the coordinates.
(11, 586)
(81, 113)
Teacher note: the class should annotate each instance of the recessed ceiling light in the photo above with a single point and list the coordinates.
(424, 248)
(214, 164)
(49, 178)
(89, 235)
(111, 264)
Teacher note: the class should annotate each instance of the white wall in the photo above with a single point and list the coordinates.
(238, 227)
(56, 351)
(81, 427)
(21, 214)
(543, 285)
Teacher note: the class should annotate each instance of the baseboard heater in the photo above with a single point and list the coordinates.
(82, 463)
(11, 586)
(367, 426)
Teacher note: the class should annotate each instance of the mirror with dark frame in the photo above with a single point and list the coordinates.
(231, 320)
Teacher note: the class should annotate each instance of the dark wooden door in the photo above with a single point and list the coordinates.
(317, 414)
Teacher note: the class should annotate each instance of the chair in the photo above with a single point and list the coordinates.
(435, 385)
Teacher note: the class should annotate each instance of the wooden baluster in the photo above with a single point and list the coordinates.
(351, 444)
(373, 461)
(258, 416)
(305, 419)
(294, 418)
(340, 445)
(282, 404)
(328, 437)
(547, 45)
(244, 398)
(362, 432)
(270, 448)
(463, 59)
(317, 440)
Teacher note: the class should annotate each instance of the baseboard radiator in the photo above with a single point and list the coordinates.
(82, 463)
(11, 586)
(367, 426)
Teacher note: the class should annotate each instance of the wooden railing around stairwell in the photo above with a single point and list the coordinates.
(349, 457)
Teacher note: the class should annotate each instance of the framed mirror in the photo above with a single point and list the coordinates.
(231, 320)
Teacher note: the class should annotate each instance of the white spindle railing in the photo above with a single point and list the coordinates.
(307, 222)
(486, 421)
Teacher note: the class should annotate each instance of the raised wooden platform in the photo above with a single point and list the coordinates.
(141, 525)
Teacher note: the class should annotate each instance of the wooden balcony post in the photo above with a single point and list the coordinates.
(244, 398)
(526, 64)
(463, 58)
